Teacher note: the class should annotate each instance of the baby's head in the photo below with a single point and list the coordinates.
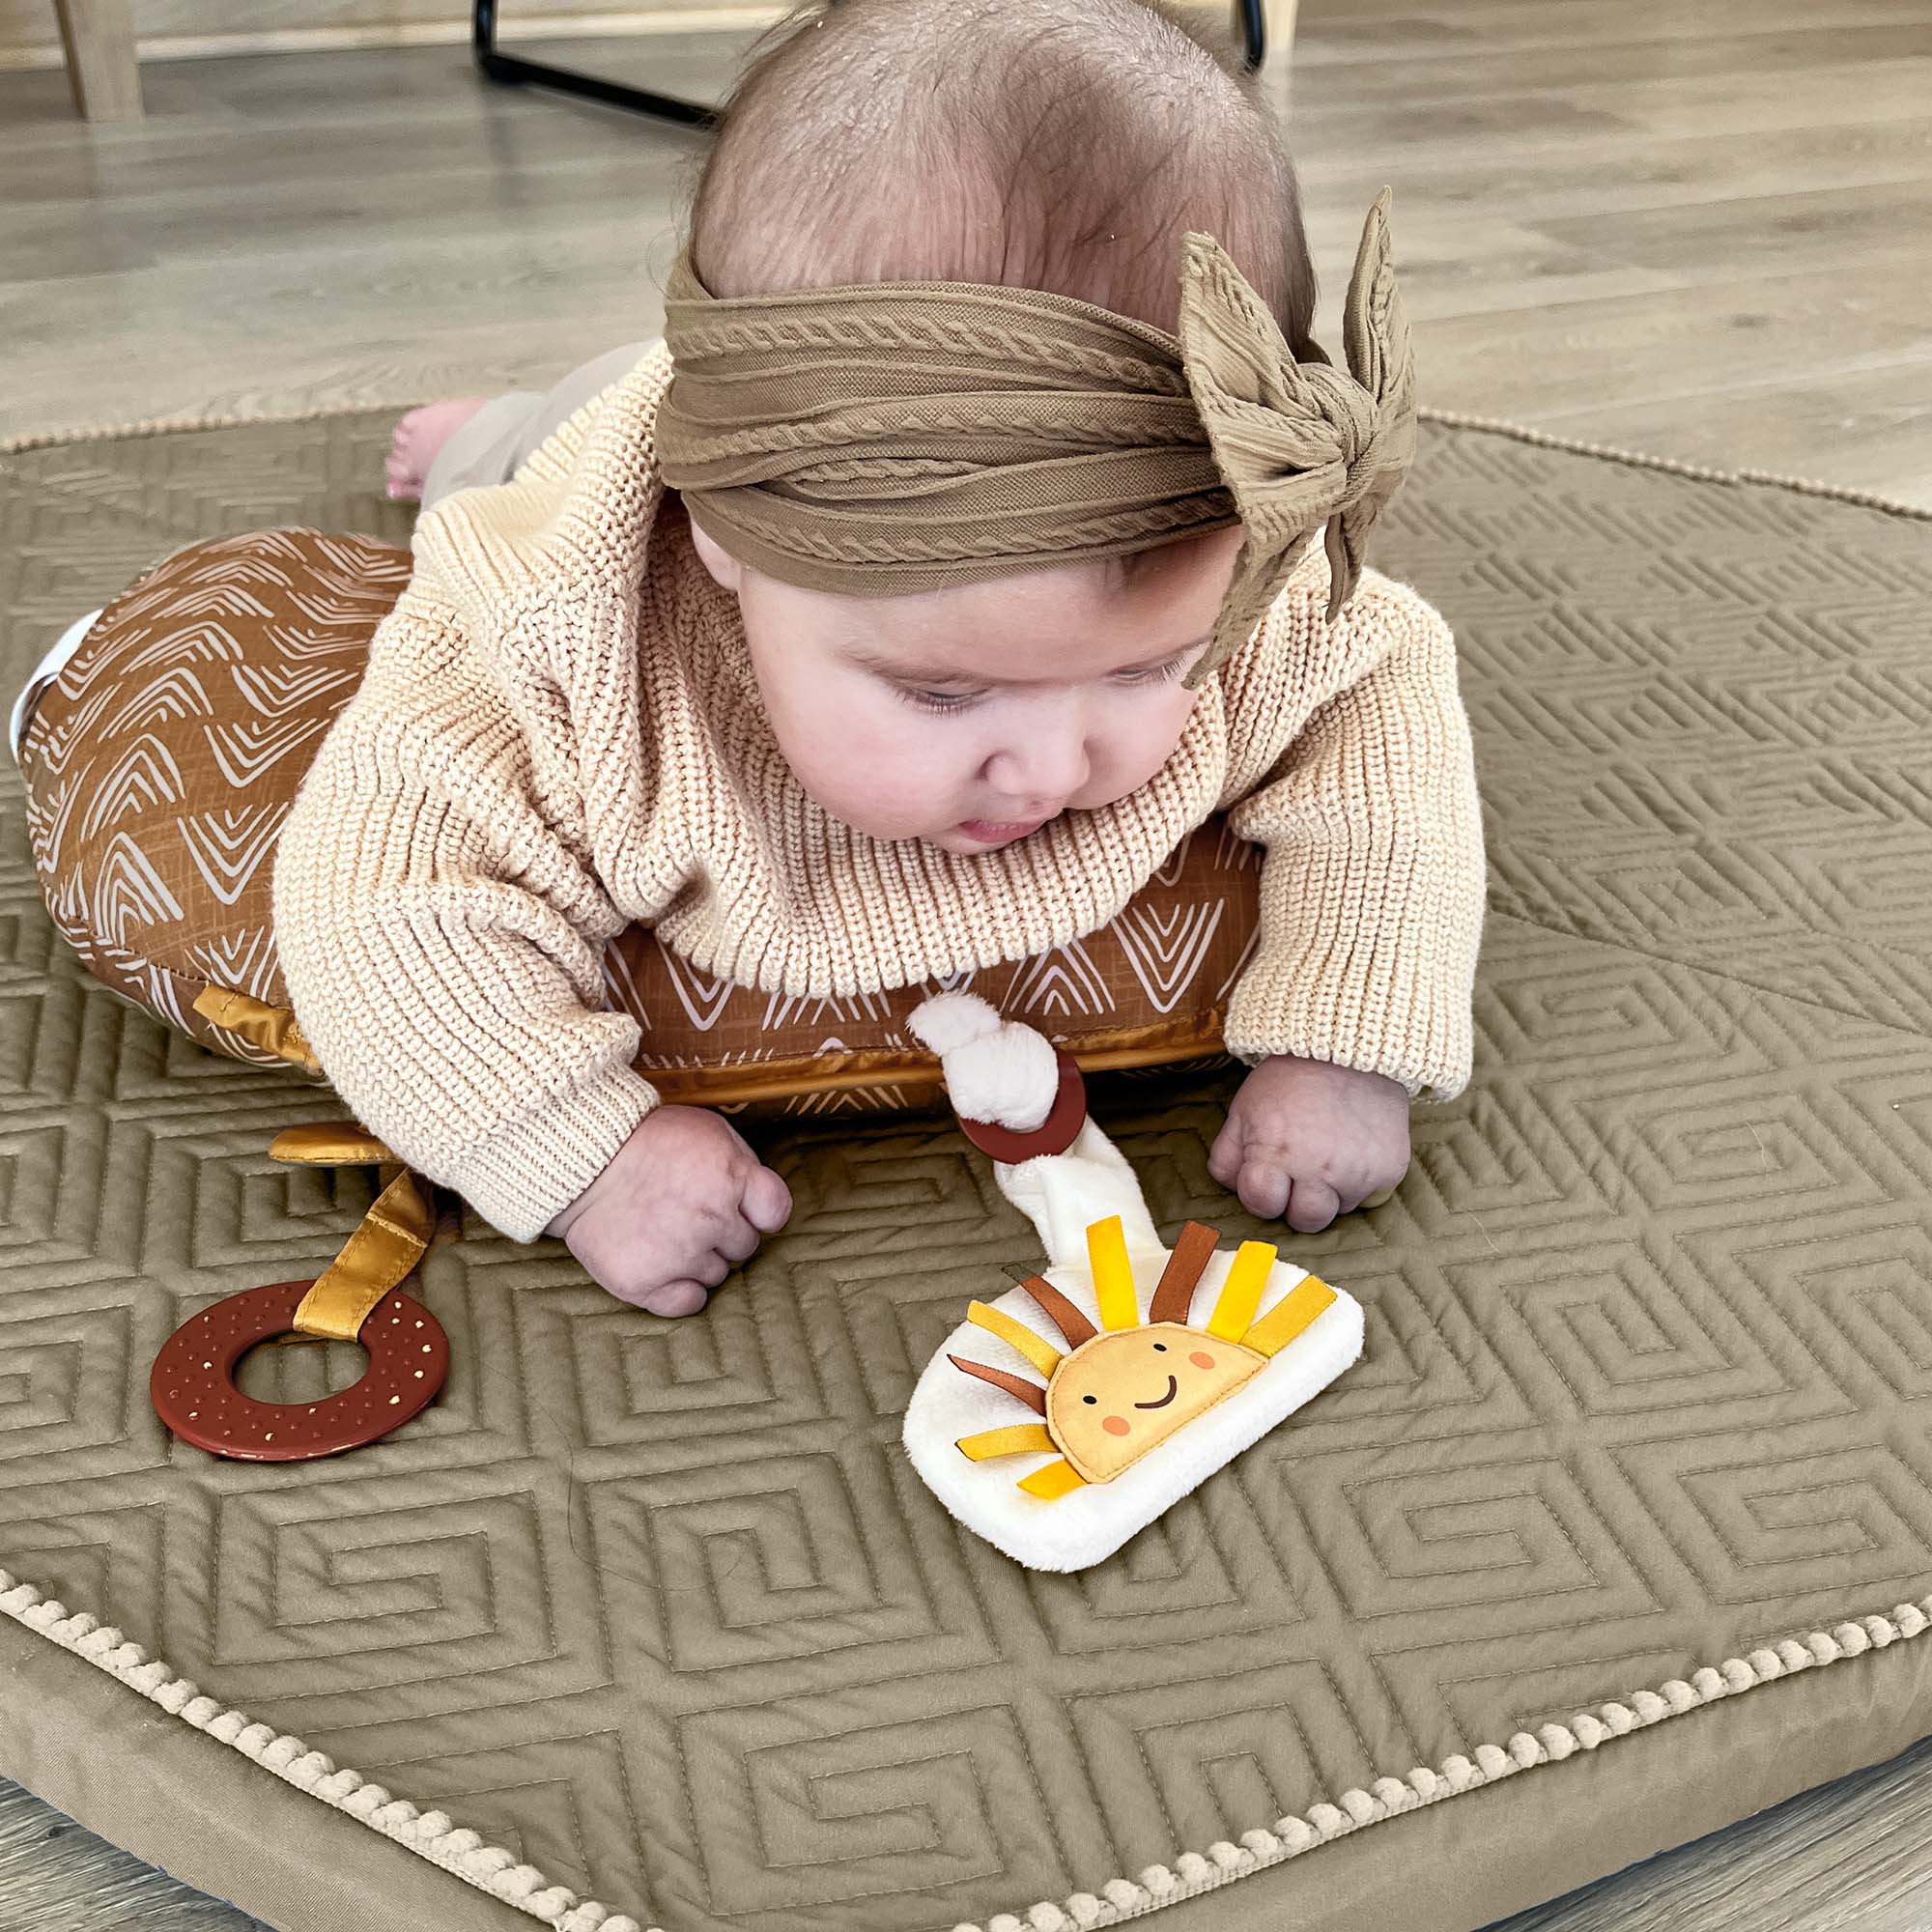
(1027, 144)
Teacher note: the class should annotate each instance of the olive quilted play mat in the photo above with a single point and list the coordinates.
(1623, 1528)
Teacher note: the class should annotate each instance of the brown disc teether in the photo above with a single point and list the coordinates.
(1054, 1135)
(192, 1385)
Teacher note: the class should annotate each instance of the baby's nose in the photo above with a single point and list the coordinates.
(1045, 768)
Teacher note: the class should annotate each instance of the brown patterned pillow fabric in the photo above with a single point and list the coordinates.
(162, 761)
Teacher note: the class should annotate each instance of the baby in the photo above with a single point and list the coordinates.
(674, 662)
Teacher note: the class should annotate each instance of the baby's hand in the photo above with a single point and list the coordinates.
(1306, 1141)
(683, 1201)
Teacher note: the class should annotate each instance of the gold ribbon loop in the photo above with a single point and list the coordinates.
(377, 1256)
(329, 1143)
(399, 1229)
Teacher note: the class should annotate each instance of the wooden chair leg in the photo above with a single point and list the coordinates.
(102, 67)
(1280, 29)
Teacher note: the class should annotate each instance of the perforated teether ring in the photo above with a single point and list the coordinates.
(194, 1389)
(359, 1297)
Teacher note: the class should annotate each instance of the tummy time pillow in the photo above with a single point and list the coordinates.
(163, 758)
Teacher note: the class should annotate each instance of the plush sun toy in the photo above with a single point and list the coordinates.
(1134, 1402)
(1095, 1413)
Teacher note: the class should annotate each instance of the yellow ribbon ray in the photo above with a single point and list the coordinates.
(273, 1028)
(1053, 1480)
(1042, 1353)
(1013, 1441)
(1113, 1275)
(1242, 1292)
(1289, 1317)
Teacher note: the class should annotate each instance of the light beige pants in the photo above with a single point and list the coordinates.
(485, 449)
(496, 439)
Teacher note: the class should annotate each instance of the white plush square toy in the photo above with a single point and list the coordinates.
(1068, 1413)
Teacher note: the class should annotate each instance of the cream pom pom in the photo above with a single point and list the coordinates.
(996, 1069)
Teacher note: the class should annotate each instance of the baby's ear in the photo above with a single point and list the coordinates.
(718, 560)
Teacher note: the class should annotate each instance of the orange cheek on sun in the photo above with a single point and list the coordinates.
(1124, 1392)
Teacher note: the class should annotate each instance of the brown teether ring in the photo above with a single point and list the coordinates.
(192, 1385)
(1054, 1135)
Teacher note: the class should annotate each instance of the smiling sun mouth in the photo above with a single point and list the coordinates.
(1171, 1387)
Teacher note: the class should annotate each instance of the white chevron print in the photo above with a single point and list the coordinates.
(227, 847)
(275, 692)
(244, 961)
(201, 643)
(165, 754)
(144, 773)
(1240, 965)
(1233, 853)
(1062, 981)
(244, 751)
(620, 987)
(319, 607)
(1169, 875)
(51, 819)
(176, 694)
(56, 746)
(785, 1009)
(702, 996)
(130, 891)
(216, 600)
(1166, 948)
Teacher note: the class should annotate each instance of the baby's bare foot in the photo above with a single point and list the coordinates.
(418, 436)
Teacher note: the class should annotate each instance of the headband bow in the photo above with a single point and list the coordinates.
(1299, 444)
(898, 437)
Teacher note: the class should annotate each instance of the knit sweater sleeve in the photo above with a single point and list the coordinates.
(1373, 878)
(441, 941)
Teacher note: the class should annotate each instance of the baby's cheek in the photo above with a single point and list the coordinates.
(875, 772)
(1133, 747)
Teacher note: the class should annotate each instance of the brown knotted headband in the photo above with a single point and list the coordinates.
(890, 437)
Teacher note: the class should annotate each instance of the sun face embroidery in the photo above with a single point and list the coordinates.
(1125, 1388)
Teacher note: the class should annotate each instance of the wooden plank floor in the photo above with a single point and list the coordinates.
(1703, 231)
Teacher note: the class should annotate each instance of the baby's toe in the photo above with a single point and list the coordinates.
(417, 438)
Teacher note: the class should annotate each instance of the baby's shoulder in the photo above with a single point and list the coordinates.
(1380, 603)
(1297, 640)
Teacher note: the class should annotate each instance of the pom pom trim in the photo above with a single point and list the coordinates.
(432, 1836)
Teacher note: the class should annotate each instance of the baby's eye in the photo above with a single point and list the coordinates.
(941, 702)
(1160, 1347)
(1160, 674)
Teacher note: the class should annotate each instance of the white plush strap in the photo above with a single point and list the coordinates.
(1063, 1194)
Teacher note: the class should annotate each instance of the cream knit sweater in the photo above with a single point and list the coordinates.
(559, 733)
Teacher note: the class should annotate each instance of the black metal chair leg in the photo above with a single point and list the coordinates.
(1254, 34)
(513, 70)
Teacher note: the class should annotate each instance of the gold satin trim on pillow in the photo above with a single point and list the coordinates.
(396, 1233)
(273, 1029)
(881, 438)
(1104, 1050)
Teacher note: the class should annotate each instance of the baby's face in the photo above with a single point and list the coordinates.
(971, 716)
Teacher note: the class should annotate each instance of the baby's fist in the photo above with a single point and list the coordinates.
(1306, 1141)
(683, 1201)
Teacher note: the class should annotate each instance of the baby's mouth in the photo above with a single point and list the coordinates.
(1172, 1387)
(1000, 832)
